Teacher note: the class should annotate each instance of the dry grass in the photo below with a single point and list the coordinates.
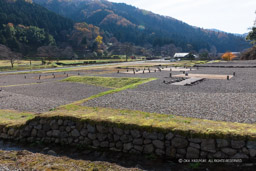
(24, 160)
(4, 63)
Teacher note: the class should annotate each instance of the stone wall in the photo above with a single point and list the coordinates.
(69, 132)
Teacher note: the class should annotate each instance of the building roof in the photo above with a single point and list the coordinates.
(180, 55)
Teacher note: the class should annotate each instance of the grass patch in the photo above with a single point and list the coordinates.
(130, 119)
(109, 82)
(119, 84)
(214, 61)
(14, 118)
(24, 160)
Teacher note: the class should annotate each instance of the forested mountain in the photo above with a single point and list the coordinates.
(143, 28)
(24, 26)
(67, 29)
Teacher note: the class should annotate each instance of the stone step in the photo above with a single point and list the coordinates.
(188, 81)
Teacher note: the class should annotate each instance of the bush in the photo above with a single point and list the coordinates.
(250, 54)
(228, 56)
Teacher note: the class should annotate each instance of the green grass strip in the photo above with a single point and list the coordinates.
(132, 83)
(108, 82)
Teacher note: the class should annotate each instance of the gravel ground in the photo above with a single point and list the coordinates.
(234, 107)
(6, 80)
(243, 82)
(43, 97)
(15, 79)
(249, 63)
(233, 100)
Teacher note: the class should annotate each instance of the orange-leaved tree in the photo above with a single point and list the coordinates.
(228, 56)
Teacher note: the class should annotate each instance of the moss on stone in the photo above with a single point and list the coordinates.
(129, 119)
(14, 118)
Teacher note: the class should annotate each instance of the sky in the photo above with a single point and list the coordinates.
(233, 16)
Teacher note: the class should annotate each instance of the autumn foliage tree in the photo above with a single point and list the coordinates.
(228, 56)
(99, 40)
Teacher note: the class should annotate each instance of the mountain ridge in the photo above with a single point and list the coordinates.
(130, 24)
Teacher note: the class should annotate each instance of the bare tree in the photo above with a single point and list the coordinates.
(169, 50)
(126, 49)
(213, 51)
(6, 53)
(67, 53)
(204, 54)
(48, 53)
